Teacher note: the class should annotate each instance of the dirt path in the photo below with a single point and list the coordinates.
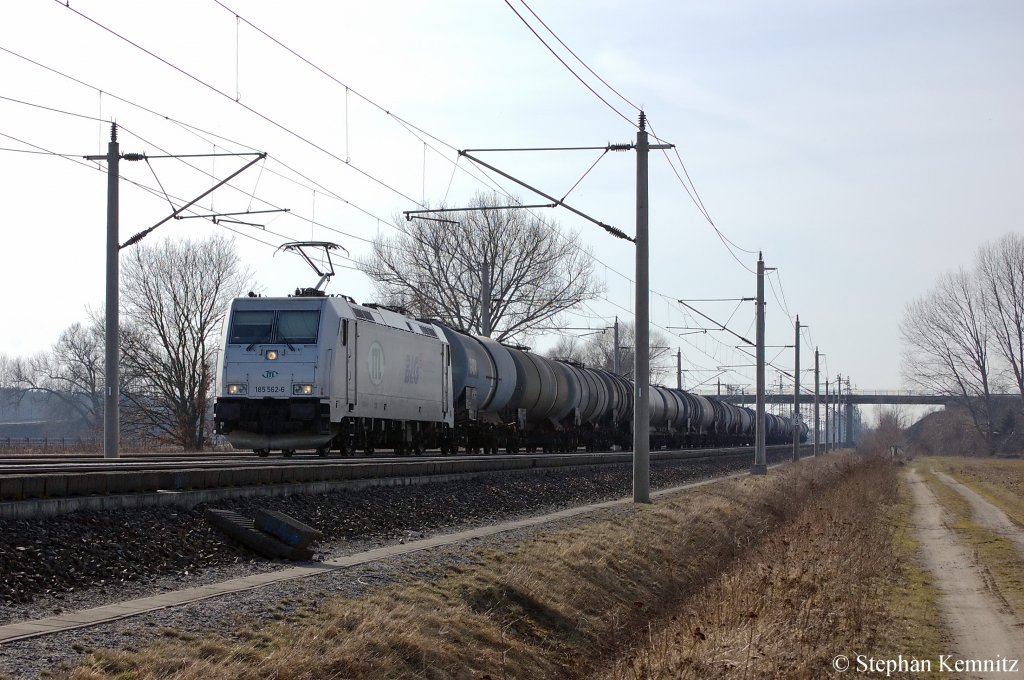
(981, 624)
(987, 514)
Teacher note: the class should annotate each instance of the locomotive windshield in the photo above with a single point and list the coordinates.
(249, 327)
(296, 327)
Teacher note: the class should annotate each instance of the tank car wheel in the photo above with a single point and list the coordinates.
(324, 451)
(262, 453)
(288, 453)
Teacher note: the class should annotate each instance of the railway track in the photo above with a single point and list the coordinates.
(47, 489)
(153, 462)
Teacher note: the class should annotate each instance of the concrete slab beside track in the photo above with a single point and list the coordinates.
(121, 610)
(56, 492)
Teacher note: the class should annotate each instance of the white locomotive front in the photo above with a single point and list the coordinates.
(317, 372)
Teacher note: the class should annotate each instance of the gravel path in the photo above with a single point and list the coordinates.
(985, 513)
(982, 626)
(84, 560)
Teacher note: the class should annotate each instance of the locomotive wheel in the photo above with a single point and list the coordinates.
(262, 453)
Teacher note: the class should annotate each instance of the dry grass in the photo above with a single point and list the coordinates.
(997, 555)
(1001, 482)
(838, 579)
(558, 606)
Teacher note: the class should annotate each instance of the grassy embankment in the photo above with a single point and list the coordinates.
(1001, 482)
(807, 563)
(840, 578)
(995, 480)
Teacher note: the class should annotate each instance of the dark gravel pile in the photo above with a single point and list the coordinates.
(114, 556)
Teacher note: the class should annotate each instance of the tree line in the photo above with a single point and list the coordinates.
(174, 295)
(965, 338)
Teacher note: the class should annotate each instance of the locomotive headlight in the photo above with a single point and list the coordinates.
(302, 388)
(271, 354)
(238, 388)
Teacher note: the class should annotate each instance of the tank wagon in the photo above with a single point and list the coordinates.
(325, 373)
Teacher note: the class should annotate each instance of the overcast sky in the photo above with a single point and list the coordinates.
(864, 146)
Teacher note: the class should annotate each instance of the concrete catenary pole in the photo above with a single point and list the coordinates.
(760, 466)
(827, 407)
(641, 344)
(616, 368)
(839, 402)
(849, 415)
(485, 300)
(679, 369)
(112, 340)
(112, 389)
(796, 390)
(817, 386)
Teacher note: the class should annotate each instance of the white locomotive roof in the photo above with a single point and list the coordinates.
(345, 309)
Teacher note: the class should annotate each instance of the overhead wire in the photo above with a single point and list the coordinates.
(180, 158)
(690, 189)
(569, 68)
(252, 110)
(198, 132)
(694, 196)
(404, 123)
(76, 159)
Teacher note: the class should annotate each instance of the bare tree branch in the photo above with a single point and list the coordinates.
(435, 269)
(597, 351)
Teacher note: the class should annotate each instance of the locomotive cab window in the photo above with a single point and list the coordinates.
(251, 326)
(293, 327)
(298, 327)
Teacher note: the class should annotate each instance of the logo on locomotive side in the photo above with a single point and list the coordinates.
(375, 363)
(269, 374)
(412, 369)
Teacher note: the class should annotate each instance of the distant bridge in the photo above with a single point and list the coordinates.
(872, 397)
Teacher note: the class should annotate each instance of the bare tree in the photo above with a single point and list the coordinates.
(70, 374)
(598, 351)
(946, 341)
(1001, 276)
(440, 269)
(6, 365)
(887, 434)
(174, 296)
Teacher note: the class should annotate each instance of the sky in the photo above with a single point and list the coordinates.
(864, 146)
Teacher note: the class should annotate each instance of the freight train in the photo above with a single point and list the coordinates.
(324, 373)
